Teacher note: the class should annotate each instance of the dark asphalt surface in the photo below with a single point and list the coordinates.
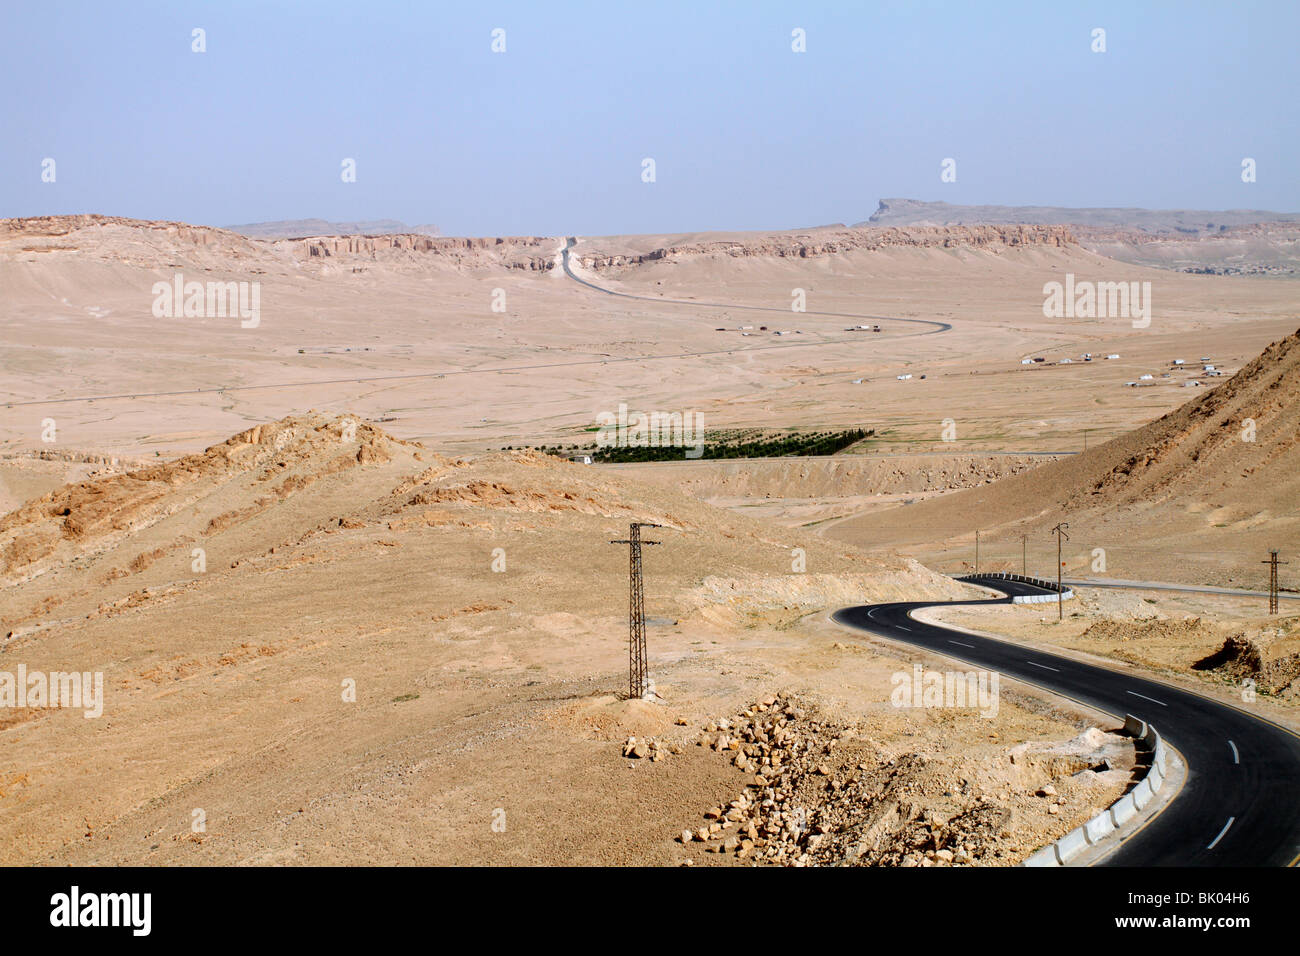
(1240, 805)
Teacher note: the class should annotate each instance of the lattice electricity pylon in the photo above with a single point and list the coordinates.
(638, 668)
(1272, 563)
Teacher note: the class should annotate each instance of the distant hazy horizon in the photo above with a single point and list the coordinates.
(549, 137)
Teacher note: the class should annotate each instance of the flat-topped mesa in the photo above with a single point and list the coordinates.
(831, 242)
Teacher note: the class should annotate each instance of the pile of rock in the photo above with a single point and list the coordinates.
(648, 747)
(820, 794)
(783, 750)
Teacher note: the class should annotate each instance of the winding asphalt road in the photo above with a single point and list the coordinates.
(1240, 805)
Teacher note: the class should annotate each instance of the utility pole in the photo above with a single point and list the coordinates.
(1272, 563)
(977, 552)
(1024, 555)
(1059, 531)
(638, 672)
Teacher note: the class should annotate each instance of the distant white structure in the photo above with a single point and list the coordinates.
(1131, 384)
(1144, 378)
(904, 378)
(1113, 355)
(1065, 362)
(581, 459)
(1026, 361)
(1179, 362)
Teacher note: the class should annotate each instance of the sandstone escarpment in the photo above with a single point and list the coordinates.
(532, 253)
(806, 246)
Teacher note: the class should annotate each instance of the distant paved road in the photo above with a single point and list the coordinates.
(935, 326)
(1166, 586)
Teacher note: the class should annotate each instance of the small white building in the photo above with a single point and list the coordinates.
(583, 459)
(1145, 378)
(1113, 355)
(904, 378)
(1179, 362)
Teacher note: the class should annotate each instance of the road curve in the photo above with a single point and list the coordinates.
(1239, 805)
(935, 326)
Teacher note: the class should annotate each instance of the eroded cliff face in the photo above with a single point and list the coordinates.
(807, 246)
(165, 244)
(532, 253)
(146, 242)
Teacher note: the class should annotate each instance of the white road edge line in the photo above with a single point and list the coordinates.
(1221, 833)
(960, 644)
(1043, 666)
(1236, 757)
(908, 629)
(1145, 697)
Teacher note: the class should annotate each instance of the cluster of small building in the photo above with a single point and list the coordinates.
(1085, 357)
(749, 330)
(1208, 370)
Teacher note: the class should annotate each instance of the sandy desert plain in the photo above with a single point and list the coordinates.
(340, 623)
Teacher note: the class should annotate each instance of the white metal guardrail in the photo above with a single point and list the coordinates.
(1064, 594)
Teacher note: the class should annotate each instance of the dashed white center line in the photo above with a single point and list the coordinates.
(908, 629)
(1236, 757)
(960, 644)
(1145, 697)
(1043, 666)
(1221, 833)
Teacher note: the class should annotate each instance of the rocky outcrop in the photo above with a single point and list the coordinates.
(532, 253)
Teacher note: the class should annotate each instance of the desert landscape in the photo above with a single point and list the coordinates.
(353, 603)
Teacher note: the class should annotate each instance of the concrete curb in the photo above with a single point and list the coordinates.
(1107, 823)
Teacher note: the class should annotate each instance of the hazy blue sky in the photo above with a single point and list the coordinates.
(548, 137)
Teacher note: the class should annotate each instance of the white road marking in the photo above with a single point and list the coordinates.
(1221, 833)
(1236, 757)
(908, 629)
(1043, 666)
(960, 644)
(1145, 697)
